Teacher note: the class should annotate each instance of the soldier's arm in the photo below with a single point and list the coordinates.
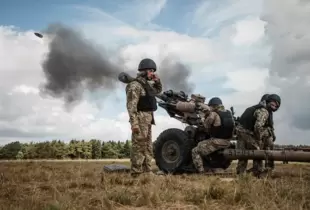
(209, 121)
(261, 116)
(133, 92)
(204, 108)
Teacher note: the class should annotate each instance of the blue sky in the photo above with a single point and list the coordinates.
(36, 15)
(177, 15)
(194, 18)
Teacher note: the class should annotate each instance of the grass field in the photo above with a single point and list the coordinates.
(78, 185)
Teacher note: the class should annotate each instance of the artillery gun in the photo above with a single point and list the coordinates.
(172, 148)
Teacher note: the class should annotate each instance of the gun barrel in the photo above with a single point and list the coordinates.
(162, 97)
(276, 155)
(172, 93)
(185, 106)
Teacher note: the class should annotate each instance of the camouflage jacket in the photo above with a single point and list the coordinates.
(212, 119)
(260, 130)
(133, 92)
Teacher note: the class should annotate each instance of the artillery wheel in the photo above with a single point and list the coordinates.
(172, 150)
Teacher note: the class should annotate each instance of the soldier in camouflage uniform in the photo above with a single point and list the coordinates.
(141, 103)
(219, 124)
(267, 138)
(254, 130)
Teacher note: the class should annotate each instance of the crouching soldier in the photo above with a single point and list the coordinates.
(219, 124)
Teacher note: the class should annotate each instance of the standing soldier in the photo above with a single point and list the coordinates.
(141, 103)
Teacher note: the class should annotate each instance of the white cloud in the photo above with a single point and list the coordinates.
(158, 44)
(25, 89)
(247, 80)
(248, 31)
(210, 16)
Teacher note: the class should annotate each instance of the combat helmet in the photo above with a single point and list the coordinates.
(274, 97)
(215, 101)
(264, 97)
(147, 63)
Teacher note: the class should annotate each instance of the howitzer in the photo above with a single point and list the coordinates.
(173, 147)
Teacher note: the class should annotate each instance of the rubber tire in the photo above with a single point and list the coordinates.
(184, 147)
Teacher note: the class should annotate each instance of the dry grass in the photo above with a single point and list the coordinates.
(78, 185)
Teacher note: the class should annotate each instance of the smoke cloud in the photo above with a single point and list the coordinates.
(73, 64)
(289, 34)
(174, 75)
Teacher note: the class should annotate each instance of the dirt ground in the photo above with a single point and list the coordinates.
(78, 185)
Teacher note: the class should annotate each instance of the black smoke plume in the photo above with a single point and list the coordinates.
(175, 75)
(73, 64)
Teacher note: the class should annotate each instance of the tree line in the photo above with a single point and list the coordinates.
(75, 149)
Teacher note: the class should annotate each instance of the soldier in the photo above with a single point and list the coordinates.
(141, 103)
(268, 139)
(254, 128)
(219, 124)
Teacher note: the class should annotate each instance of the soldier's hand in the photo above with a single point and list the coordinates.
(135, 129)
(155, 77)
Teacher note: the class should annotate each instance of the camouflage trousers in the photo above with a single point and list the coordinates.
(206, 147)
(248, 141)
(268, 143)
(141, 150)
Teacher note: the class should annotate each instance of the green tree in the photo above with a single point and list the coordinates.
(10, 150)
(96, 149)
